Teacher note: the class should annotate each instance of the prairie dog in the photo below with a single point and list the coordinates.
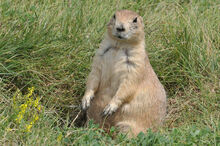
(122, 89)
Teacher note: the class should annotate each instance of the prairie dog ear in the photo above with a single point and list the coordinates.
(109, 23)
(141, 19)
(111, 20)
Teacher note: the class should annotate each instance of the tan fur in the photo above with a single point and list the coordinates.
(124, 86)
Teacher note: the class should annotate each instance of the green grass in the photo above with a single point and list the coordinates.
(49, 44)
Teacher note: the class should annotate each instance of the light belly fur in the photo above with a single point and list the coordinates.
(114, 69)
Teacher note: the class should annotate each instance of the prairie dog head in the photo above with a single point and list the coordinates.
(126, 26)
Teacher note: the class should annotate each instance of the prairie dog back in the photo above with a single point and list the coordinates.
(122, 89)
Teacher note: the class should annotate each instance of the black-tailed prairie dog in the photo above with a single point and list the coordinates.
(122, 88)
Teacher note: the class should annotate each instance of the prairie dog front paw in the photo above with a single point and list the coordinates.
(86, 100)
(109, 109)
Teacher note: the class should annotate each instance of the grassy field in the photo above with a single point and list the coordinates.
(49, 45)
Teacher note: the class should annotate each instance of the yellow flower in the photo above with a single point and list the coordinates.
(29, 101)
(36, 102)
(29, 110)
(23, 106)
(36, 117)
(28, 128)
(31, 90)
(39, 108)
(18, 119)
(9, 129)
(59, 137)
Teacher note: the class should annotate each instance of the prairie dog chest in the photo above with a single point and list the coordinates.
(116, 62)
(112, 58)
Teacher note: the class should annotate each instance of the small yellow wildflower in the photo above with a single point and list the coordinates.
(60, 136)
(26, 109)
(39, 108)
(29, 101)
(36, 102)
(31, 90)
(18, 119)
(23, 107)
(28, 127)
(36, 117)
(9, 129)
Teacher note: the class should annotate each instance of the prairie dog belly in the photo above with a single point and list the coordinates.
(113, 64)
(114, 68)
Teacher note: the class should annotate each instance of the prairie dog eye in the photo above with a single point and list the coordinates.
(135, 20)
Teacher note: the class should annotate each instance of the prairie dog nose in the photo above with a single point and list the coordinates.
(120, 28)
